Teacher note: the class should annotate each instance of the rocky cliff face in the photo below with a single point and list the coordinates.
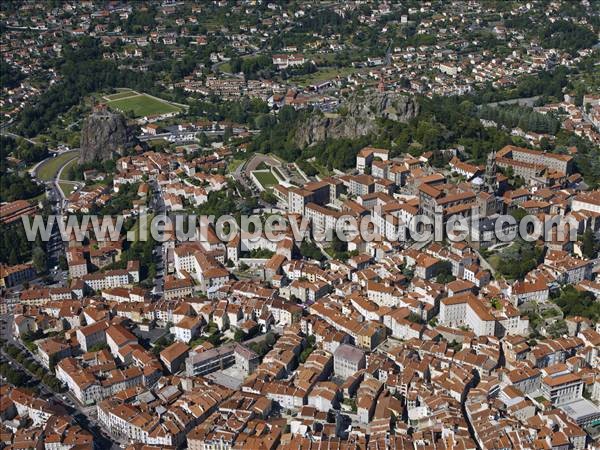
(103, 134)
(358, 117)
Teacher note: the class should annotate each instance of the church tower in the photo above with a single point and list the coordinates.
(491, 170)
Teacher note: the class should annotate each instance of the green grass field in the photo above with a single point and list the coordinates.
(48, 170)
(67, 188)
(142, 105)
(119, 95)
(156, 143)
(65, 173)
(234, 164)
(225, 67)
(494, 261)
(266, 179)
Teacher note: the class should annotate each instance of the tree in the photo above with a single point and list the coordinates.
(270, 339)
(239, 335)
(268, 197)
(310, 251)
(151, 273)
(518, 214)
(98, 347)
(39, 259)
(589, 247)
(305, 354)
(163, 342)
(444, 272)
(12, 376)
(545, 144)
(13, 258)
(202, 139)
(566, 35)
(227, 134)
(338, 245)
(62, 263)
(557, 329)
(578, 303)
(414, 318)
(82, 71)
(518, 259)
(9, 76)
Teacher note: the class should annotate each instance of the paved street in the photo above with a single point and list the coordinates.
(159, 253)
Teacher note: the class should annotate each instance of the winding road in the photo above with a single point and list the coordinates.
(55, 182)
(4, 131)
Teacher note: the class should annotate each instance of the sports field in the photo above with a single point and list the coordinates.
(141, 104)
(119, 95)
(265, 178)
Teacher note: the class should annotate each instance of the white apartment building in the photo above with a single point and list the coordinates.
(405, 329)
(479, 319)
(467, 310)
(361, 185)
(297, 199)
(187, 328)
(563, 388)
(365, 157)
(78, 268)
(390, 226)
(109, 279)
(322, 218)
(85, 387)
(587, 201)
(369, 310)
(453, 311)
(528, 291)
(91, 335)
(288, 396)
(124, 420)
(347, 360)
(184, 260)
(27, 406)
(383, 295)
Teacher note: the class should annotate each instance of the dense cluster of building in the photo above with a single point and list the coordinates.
(371, 349)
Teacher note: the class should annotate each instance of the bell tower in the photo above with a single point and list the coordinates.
(491, 170)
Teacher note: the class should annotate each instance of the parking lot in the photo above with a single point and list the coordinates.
(231, 377)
